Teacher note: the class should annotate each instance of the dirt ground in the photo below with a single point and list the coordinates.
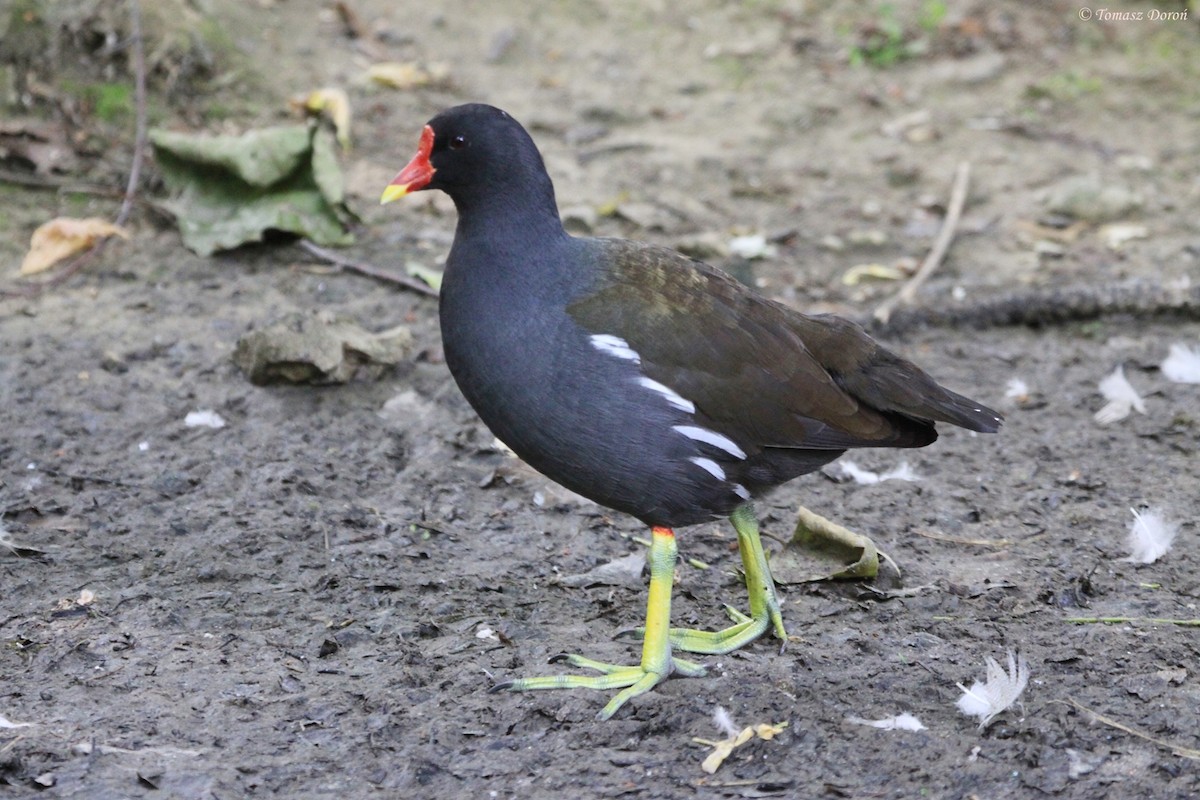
(314, 600)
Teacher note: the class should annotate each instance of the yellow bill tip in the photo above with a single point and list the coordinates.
(393, 191)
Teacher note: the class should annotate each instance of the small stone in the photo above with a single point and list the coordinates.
(751, 246)
(707, 246)
(1118, 233)
(871, 209)
(1089, 198)
(1134, 162)
(319, 348)
(646, 216)
(832, 242)
(580, 220)
(975, 70)
(1048, 249)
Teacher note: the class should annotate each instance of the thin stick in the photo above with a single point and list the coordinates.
(1179, 750)
(369, 270)
(139, 99)
(944, 537)
(958, 198)
(1183, 623)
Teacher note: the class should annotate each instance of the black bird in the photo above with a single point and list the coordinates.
(649, 382)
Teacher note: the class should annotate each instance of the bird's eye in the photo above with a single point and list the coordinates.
(458, 142)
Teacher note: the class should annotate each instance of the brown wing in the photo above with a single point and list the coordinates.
(757, 371)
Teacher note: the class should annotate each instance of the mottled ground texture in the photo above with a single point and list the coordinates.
(313, 600)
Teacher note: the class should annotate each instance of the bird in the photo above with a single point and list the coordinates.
(651, 383)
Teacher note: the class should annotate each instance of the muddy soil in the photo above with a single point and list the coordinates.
(313, 600)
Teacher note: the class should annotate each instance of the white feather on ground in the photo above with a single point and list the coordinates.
(5, 724)
(1121, 396)
(1016, 389)
(1182, 364)
(1151, 535)
(1002, 688)
(901, 472)
(725, 722)
(204, 418)
(900, 722)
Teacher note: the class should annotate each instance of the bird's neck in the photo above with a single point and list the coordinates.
(519, 212)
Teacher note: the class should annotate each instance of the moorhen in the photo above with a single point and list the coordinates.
(646, 381)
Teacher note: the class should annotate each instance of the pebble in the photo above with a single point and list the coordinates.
(707, 246)
(1089, 198)
(580, 219)
(832, 242)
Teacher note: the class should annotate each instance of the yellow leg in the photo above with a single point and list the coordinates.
(657, 662)
(764, 602)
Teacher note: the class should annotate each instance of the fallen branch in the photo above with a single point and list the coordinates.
(371, 271)
(958, 198)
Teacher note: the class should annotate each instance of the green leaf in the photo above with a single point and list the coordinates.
(232, 190)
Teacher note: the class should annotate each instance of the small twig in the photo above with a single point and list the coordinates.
(958, 198)
(37, 181)
(139, 99)
(371, 271)
(72, 476)
(66, 185)
(1179, 750)
(433, 528)
(942, 537)
(1183, 623)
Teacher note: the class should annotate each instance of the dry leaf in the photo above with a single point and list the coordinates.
(63, 237)
(335, 104)
(45, 147)
(877, 272)
(724, 748)
(406, 75)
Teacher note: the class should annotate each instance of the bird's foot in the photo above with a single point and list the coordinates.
(746, 628)
(632, 681)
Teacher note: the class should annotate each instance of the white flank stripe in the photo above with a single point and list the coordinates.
(720, 441)
(615, 346)
(672, 396)
(709, 466)
(741, 491)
